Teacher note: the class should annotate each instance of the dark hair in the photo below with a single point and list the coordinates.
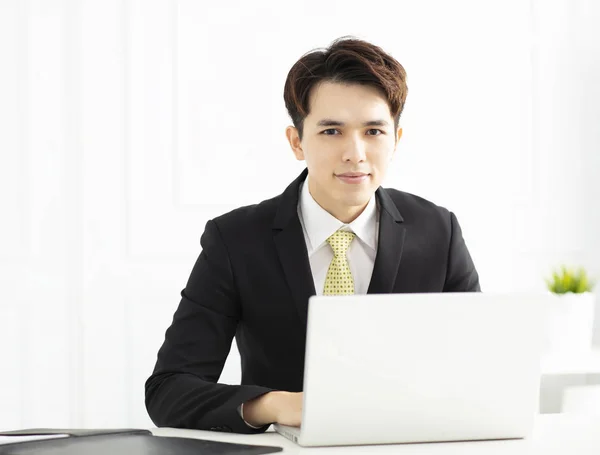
(347, 60)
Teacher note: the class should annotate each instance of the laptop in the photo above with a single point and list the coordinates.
(432, 367)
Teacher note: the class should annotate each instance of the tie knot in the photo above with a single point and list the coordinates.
(340, 242)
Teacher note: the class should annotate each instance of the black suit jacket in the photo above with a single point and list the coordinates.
(252, 281)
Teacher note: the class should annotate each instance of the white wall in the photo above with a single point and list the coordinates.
(118, 119)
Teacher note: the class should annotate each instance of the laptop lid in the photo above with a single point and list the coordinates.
(394, 368)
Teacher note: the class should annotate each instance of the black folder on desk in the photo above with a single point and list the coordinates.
(75, 432)
(123, 442)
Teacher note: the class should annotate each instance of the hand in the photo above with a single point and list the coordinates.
(289, 408)
(275, 407)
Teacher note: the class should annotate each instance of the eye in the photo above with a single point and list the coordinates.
(378, 132)
(328, 132)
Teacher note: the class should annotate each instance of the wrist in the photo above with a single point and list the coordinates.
(273, 405)
(262, 410)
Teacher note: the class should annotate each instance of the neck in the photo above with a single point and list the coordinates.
(347, 214)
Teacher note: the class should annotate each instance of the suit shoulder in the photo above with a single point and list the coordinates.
(248, 217)
(412, 206)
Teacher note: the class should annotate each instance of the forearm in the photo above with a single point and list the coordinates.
(185, 401)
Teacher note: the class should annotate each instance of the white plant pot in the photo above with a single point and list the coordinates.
(569, 323)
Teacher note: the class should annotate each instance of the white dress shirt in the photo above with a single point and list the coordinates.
(318, 225)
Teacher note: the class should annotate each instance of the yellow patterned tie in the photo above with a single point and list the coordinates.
(339, 279)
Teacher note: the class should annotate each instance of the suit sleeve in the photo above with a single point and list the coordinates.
(461, 275)
(183, 391)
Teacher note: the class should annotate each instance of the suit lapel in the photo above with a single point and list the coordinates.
(293, 255)
(390, 246)
(291, 248)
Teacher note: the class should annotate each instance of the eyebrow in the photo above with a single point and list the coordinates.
(330, 122)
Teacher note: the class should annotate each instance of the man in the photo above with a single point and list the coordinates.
(334, 230)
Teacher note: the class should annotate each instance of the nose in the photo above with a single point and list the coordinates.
(355, 150)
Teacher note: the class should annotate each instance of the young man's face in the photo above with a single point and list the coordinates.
(348, 142)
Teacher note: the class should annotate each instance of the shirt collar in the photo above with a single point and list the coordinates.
(320, 224)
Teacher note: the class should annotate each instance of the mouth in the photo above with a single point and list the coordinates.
(353, 177)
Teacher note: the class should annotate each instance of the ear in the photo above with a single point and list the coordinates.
(294, 139)
(398, 136)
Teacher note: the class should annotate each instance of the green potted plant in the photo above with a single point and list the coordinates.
(570, 319)
(568, 280)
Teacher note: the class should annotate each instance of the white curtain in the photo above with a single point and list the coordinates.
(126, 124)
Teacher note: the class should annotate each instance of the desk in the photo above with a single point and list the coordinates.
(562, 371)
(562, 434)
